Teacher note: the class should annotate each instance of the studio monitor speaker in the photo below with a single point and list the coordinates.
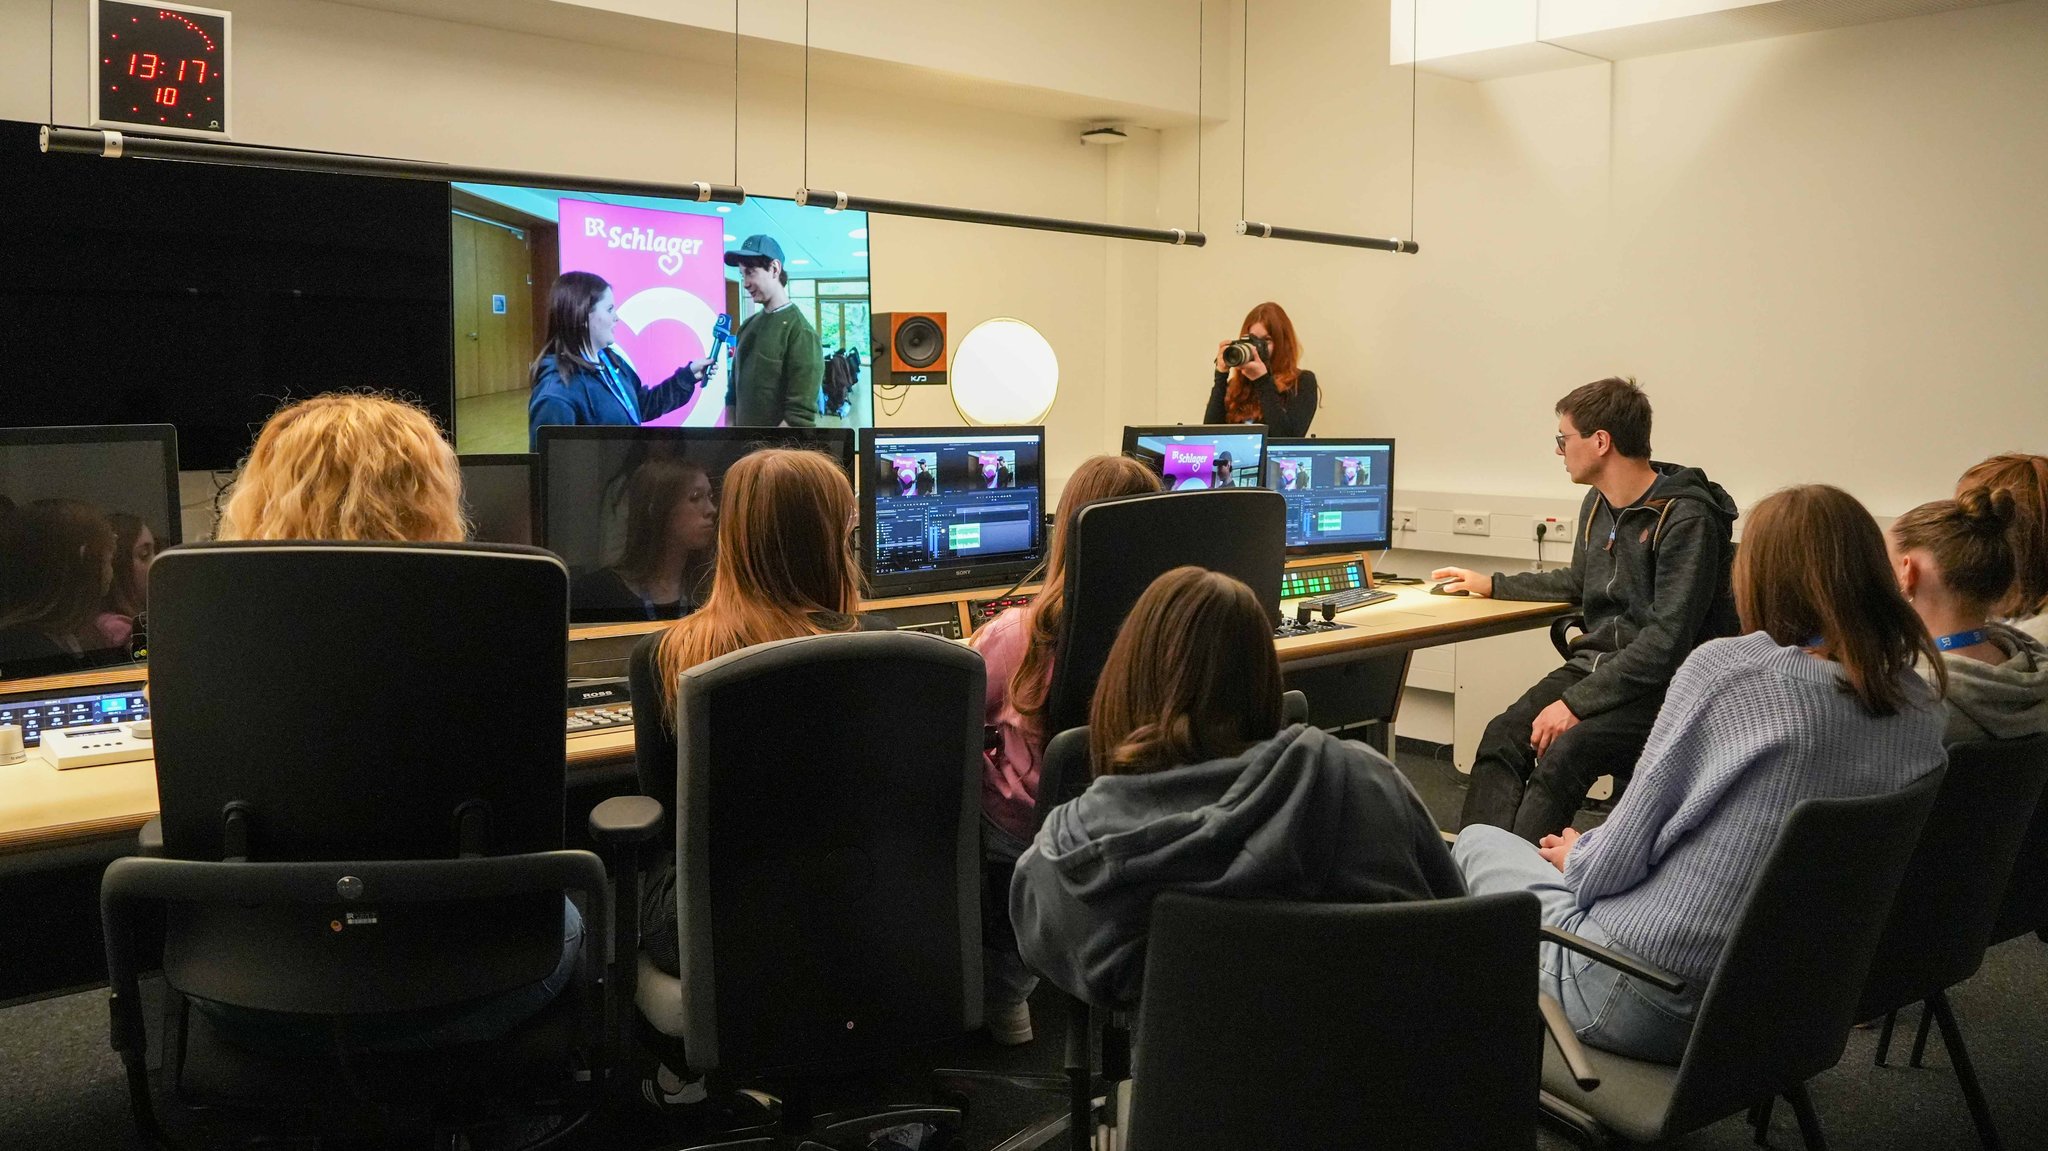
(909, 347)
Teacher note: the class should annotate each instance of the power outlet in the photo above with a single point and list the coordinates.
(1404, 519)
(1554, 528)
(1471, 523)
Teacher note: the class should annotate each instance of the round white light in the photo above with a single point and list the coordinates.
(729, 237)
(857, 234)
(1004, 373)
(861, 255)
(793, 263)
(725, 207)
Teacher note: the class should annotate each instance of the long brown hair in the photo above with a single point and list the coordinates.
(2026, 478)
(60, 554)
(651, 494)
(569, 305)
(347, 466)
(1240, 399)
(785, 550)
(1966, 537)
(1192, 676)
(1812, 564)
(1098, 478)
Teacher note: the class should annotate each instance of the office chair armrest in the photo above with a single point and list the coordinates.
(1563, 624)
(1628, 965)
(626, 821)
(1567, 1040)
(149, 841)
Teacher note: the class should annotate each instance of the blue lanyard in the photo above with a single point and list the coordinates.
(616, 385)
(1950, 642)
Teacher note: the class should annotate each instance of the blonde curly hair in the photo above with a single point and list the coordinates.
(347, 466)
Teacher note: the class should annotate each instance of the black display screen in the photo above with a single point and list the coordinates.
(162, 68)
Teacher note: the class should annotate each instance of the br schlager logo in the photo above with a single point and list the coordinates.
(668, 250)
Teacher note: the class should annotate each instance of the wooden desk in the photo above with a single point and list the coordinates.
(45, 810)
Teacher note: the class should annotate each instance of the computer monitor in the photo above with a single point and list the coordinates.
(634, 511)
(1339, 492)
(950, 508)
(1194, 456)
(82, 512)
(497, 492)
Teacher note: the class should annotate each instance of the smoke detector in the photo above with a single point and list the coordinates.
(1104, 134)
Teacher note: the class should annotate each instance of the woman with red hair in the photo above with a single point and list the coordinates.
(1270, 388)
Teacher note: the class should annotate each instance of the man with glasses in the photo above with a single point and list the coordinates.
(1650, 572)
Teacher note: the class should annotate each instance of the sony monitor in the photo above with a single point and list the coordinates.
(1339, 492)
(1196, 456)
(950, 508)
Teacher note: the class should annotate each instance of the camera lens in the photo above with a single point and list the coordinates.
(1237, 353)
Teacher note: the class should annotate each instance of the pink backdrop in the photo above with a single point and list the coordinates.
(667, 272)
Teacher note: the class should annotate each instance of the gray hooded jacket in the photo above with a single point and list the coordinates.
(2005, 700)
(1302, 816)
(1653, 580)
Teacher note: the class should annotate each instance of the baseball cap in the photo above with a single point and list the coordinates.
(762, 247)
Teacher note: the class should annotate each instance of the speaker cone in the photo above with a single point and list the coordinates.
(919, 342)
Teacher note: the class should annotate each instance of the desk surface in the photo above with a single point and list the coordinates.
(42, 808)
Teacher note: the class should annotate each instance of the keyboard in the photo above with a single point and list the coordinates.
(1346, 600)
(598, 704)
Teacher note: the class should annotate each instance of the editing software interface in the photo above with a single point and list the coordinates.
(954, 507)
(1193, 457)
(1338, 492)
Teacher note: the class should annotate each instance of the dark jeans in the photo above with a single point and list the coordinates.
(1534, 797)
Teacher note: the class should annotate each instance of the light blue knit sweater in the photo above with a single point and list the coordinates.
(1748, 729)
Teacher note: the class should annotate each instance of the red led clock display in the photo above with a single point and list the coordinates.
(160, 68)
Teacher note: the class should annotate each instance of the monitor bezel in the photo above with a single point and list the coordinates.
(1385, 540)
(1132, 432)
(530, 461)
(992, 574)
(164, 435)
(840, 442)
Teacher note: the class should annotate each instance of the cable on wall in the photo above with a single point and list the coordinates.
(1264, 231)
(837, 200)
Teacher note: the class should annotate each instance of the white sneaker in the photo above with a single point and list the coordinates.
(667, 1089)
(1009, 1023)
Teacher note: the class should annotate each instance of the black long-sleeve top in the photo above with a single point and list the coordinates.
(1286, 415)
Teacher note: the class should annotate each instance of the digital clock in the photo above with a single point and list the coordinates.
(160, 68)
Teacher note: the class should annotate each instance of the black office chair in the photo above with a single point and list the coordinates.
(1338, 1025)
(359, 755)
(2025, 908)
(1118, 547)
(1942, 917)
(828, 870)
(1779, 1007)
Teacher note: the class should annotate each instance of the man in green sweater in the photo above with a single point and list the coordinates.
(781, 364)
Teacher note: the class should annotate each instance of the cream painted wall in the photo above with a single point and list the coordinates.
(329, 76)
(1823, 254)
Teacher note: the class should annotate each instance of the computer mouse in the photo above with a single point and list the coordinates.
(1444, 589)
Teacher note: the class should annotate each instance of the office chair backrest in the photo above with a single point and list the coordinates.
(1953, 889)
(353, 702)
(828, 849)
(1117, 548)
(1779, 1007)
(2025, 907)
(1335, 1025)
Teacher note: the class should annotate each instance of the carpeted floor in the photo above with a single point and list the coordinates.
(60, 1086)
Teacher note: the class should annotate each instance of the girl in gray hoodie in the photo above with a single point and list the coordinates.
(1197, 788)
(1954, 561)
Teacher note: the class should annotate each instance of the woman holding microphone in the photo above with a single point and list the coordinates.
(579, 379)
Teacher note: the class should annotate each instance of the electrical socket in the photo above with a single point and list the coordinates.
(1404, 519)
(1471, 523)
(1554, 528)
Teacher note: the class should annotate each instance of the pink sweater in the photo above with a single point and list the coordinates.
(1009, 771)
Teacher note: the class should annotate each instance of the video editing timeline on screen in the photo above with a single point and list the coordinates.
(1337, 492)
(945, 501)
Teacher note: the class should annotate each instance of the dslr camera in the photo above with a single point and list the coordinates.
(1244, 350)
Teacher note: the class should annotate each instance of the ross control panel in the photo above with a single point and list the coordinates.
(1322, 578)
(595, 704)
(36, 715)
(981, 611)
